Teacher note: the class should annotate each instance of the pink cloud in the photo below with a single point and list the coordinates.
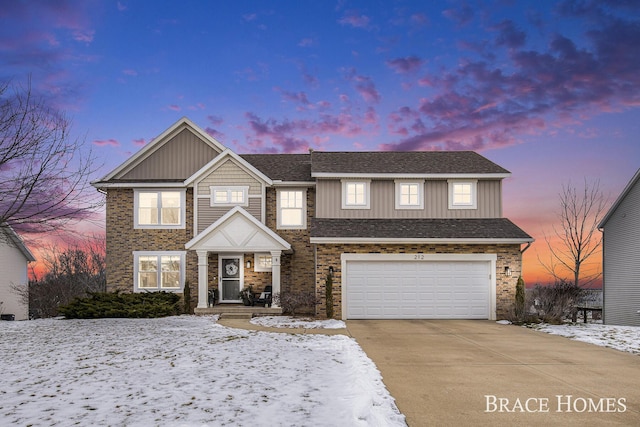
(106, 142)
(306, 42)
(461, 15)
(174, 107)
(405, 65)
(215, 133)
(482, 103)
(130, 72)
(355, 20)
(364, 86)
(419, 19)
(83, 35)
(250, 17)
(299, 98)
(215, 120)
(139, 142)
(288, 136)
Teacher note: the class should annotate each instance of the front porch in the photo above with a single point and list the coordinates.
(230, 311)
(230, 239)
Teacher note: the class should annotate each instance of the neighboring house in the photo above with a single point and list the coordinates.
(14, 259)
(405, 234)
(621, 257)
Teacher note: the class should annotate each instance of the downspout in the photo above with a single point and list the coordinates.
(525, 248)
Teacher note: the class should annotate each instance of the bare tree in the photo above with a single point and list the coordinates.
(43, 172)
(70, 273)
(580, 213)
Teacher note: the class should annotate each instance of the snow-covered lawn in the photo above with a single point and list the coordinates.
(293, 322)
(624, 338)
(184, 371)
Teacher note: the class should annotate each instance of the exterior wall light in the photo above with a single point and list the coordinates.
(507, 271)
(248, 263)
(331, 270)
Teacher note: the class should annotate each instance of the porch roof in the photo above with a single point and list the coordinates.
(238, 231)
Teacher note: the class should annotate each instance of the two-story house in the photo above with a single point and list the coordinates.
(403, 234)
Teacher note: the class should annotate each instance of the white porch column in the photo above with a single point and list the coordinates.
(275, 274)
(203, 273)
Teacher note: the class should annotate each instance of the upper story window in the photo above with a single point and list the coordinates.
(159, 208)
(158, 271)
(355, 195)
(463, 194)
(292, 209)
(409, 195)
(229, 196)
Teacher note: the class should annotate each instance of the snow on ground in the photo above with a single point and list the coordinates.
(295, 322)
(184, 371)
(624, 338)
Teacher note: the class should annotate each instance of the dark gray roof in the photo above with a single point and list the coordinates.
(477, 228)
(284, 167)
(394, 162)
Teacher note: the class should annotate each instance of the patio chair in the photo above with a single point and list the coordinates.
(264, 298)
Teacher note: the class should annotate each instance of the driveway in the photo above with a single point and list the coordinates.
(476, 372)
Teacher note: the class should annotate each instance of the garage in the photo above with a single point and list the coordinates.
(419, 286)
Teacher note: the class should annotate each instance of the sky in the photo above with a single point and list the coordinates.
(548, 90)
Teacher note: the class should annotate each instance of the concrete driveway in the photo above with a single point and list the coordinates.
(475, 372)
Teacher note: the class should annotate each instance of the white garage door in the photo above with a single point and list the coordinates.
(418, 289)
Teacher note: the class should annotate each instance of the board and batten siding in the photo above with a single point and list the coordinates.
(228, 174)
(382, 202)
(178, 158)
(622, 262)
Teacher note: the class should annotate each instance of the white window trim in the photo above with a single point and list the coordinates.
(245, 195)
(367, 193)
(420, 185)
(303, 226)
(474, 194)
(256, 262)
(183, 210)
(136, 267)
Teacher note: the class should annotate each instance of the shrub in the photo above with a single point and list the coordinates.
(554, 303)
(186, 295)
(520, 297)
(139, 305)
(329, 296)
(292, 302)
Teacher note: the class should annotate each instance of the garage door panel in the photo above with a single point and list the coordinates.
(429, 289)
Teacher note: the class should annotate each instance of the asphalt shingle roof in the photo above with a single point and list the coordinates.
(394, 162)
(476, 228)
(284, 167)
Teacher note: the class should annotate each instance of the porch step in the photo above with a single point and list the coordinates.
(238, 312)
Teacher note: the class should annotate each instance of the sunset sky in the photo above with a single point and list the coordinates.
(548, 90)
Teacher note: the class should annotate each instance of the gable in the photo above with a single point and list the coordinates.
(174, 155)
(178, 158)
(238, 231)
(11, 242)
(226, 173)
(630, 197)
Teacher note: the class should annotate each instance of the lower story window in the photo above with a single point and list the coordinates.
(158, 271)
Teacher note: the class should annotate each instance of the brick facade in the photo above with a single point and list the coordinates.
(329, 255)
(298, 269)
(123, 239)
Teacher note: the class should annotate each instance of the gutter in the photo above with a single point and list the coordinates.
(525, 248)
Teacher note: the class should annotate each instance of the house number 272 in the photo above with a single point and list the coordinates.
(418, 256)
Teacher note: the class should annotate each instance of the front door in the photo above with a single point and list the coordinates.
(231, 277)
